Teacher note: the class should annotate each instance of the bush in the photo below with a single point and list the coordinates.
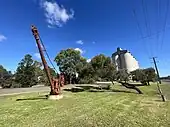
(87, 81)
(6, 83)
(16, 85)
(106, 86)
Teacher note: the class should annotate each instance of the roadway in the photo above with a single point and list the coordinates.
(13, 91)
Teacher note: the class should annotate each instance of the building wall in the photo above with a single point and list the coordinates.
(122, 62)
(125, 60)
(130, 62)
(116, 61)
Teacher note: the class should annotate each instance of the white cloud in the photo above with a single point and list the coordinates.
(50, 26)
(2, 38)
(80, 42)
(80, 50)
(88, 60)
(55, 14)
(94, 42)
(37, 55)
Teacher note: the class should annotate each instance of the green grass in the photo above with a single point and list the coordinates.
(166, 90)
(87, 109)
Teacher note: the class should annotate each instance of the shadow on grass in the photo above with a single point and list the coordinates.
(75, 90)
(124, 91)
(33, 98)
(113, 91)
(160, 100)
(140, 85)
(91, 87)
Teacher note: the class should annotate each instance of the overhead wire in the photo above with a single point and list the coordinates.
(164, 25)
(138, 25)
(157, 24)
(150, 32)
(140, 31)
(148, 28)
(145, 16)
(147, 25)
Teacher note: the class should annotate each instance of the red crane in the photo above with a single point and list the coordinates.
(55, 83)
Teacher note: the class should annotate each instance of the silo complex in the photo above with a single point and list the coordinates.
(123, 59)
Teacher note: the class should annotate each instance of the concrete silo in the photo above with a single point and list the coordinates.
(123, 59)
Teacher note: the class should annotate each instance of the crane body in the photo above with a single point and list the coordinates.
(55, 83)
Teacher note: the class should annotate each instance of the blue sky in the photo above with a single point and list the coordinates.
(93, 26)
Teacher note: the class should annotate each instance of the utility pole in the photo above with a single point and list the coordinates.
(156, 70)
(159, 81)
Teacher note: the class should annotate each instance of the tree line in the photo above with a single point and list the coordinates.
(28, 73)
(75, 68)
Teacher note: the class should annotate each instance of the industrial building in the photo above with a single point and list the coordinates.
(123, 59)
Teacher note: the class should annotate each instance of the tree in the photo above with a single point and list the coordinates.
(99, 68)
(100, 61)
(39, 74)
(102, 65)
(139, 75)
(81, 64)
(68, 61)
(150, 75)
(3, 71)
(25, 73)
(111, 72)
(44, 79)
(52, 72)
(122, 75)
(5, 78)
(86, 74)
(145, 76)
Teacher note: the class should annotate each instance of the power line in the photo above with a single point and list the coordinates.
(149, 28)
(157, 24)
(138, 25)
(145, 16)
(147, 23)
(140, 31)
(153, 34)
(165, 24)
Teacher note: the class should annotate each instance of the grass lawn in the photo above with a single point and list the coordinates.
(87, 109)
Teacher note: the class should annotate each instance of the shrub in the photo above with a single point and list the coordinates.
(87, 81)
